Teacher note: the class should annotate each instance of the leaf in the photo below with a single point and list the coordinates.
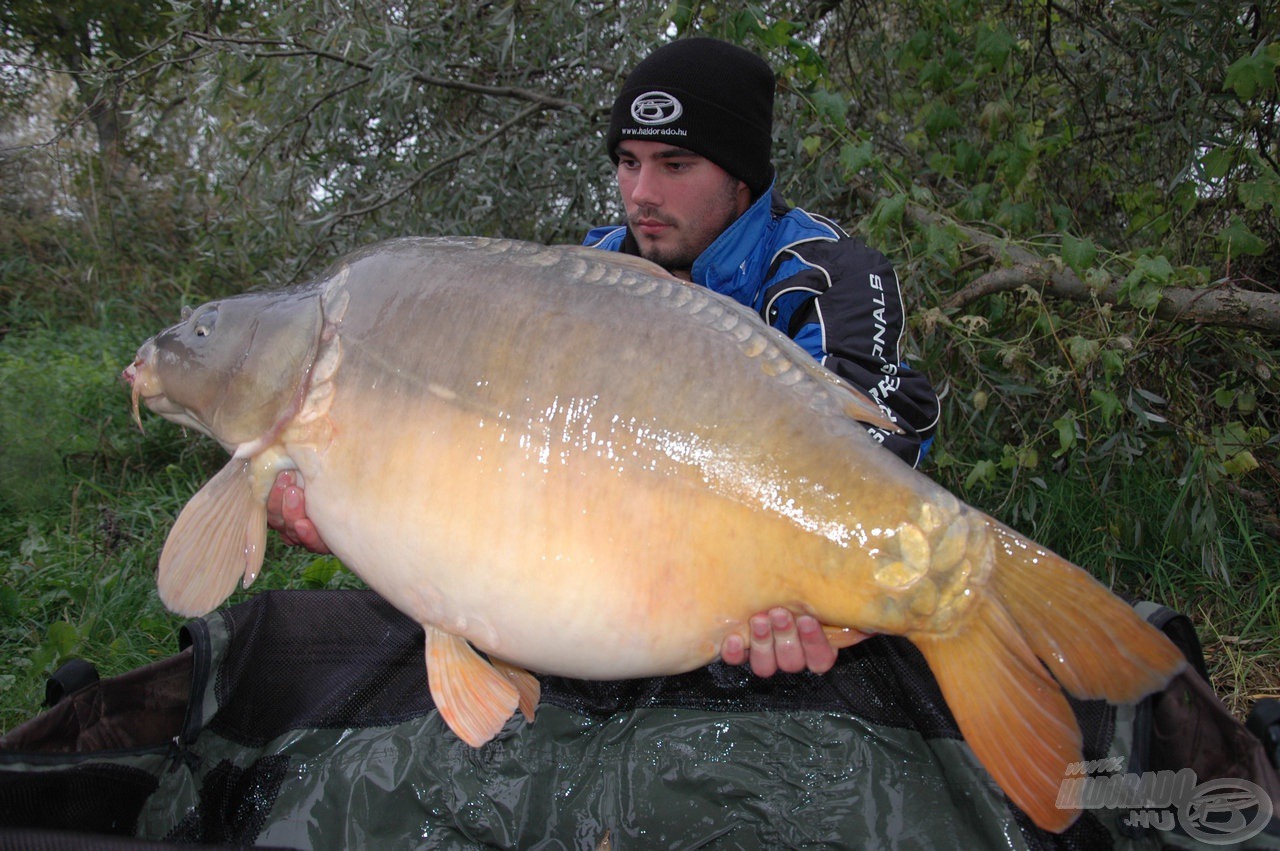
(855, 157)
(10, 602)
(1079, 254)
(1257, 194)
(1240, 464)
(983, 471)
(1216, 163)
(1108, 405)
(61, 638)
(1066, 427)
(994, 46)
(320, 572)
(1141, 287)
(1083, 351)
(940, 119)
(831, 106)
(1250, 75)
(968, 157)
(1236, 239)
(888, 211)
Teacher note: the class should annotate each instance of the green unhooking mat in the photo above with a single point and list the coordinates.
(302, 719)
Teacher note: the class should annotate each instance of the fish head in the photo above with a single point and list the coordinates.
(234, 369)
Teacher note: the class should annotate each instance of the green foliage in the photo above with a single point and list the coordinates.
(86, 499)
(1133, 146)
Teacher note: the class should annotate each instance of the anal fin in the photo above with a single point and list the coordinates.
(474, 699)
(217, 540)
(527, 686)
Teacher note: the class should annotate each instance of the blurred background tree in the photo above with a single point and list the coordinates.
(1082, 198)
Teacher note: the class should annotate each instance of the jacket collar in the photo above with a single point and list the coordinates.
(726, 264)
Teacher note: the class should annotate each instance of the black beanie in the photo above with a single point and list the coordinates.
(709, 96)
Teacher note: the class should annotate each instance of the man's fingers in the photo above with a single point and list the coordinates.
(308, 536)
(819, 655)
(763, 663)
(275, 500)
(781, 641)
(733, 650)
(786, 641)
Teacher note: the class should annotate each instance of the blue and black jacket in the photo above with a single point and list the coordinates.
(830, 292)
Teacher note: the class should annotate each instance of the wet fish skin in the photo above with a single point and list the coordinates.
(584, 467)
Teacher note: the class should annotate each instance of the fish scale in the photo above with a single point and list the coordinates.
(582, 466)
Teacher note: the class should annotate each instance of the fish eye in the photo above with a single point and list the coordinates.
(204, 320)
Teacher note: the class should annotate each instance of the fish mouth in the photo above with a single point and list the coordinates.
(130, 377)
(140, 376)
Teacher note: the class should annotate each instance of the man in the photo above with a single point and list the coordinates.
(690, 134)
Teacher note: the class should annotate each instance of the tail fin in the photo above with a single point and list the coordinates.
(1093, 641)
(1039, 608)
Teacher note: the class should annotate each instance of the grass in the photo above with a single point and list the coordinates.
(1131, 535)
(86, 499)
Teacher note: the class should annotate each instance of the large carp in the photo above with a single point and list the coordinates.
(582, 466)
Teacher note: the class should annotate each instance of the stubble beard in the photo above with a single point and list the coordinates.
(696, 236)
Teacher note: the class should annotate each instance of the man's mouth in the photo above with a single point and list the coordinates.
(649, 226)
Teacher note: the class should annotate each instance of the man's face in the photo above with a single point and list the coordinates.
(677, 201)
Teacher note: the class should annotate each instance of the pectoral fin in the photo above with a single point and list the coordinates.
(474, 699)
(217, 540)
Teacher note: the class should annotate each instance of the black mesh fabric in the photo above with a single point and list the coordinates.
(287, 664)
(63, 840)
(97, 798)
(316, 660)
(234, 803)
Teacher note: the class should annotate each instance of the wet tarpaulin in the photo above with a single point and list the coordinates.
(302, 719)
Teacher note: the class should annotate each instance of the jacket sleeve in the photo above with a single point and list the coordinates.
(855, 325)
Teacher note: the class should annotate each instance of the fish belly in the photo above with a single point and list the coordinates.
(568, 566)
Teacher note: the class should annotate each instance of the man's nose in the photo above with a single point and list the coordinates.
(645, 190)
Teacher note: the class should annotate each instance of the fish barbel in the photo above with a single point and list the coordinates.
(582, 466)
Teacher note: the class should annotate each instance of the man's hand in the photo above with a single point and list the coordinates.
(287, 514)
(781, 642)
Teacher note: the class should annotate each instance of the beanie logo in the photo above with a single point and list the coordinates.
(656, 108)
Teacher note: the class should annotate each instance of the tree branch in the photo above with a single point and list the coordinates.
(1227, 304)
(284, 48)
(331, 222)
